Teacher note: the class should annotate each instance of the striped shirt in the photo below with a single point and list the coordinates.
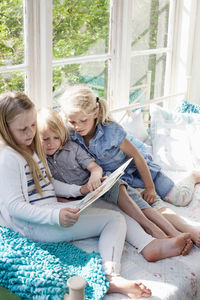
(47, 188)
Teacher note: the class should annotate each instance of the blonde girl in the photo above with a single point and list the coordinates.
(94, 129)
(69, 163)
(28, 202)
(72, 167)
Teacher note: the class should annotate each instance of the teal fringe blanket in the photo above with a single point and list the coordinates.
(40, 271)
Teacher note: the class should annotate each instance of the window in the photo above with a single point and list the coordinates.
(149, 43)
(12, 66)
(108, 44)
(80, 44)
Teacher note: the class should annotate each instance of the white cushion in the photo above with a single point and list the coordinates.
(175, 139)
(134, 125)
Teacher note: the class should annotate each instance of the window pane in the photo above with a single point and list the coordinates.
(11, 32)
(12, 81)
(80, 27)
(150, 24)
(94, 74)
(139, 67)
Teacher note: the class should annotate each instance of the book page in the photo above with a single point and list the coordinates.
(105, 186)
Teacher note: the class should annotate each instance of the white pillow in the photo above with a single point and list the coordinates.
(134, 125)
(175, 139)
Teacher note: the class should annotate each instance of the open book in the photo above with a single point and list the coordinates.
(105, 186)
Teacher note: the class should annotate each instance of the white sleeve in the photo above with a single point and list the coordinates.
(13, 198)
(66, 190)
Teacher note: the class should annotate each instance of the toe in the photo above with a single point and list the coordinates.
(188, 247)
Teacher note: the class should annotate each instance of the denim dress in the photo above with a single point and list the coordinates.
(105, 148)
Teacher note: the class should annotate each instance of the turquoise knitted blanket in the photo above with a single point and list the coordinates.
(39, 271)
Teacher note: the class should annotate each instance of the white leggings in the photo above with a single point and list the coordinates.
(109, 225)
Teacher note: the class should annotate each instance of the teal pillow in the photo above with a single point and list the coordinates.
(39, 271)
(187, 107)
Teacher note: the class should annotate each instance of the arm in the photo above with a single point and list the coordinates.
(130, 150)
(96, 173)
(13, 197)
(66, 190)
(86, 161)
(63, 189)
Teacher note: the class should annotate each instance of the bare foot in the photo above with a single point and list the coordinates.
(127, 287)
(195, 176)
(188, 247)
(195, 235)
(164, 248)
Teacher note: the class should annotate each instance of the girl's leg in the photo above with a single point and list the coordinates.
(155, 214)
(181, 195)
(110, 226)
(162, 222)
(182, 191)
(126, 202)
(180, 224)
(155, 249)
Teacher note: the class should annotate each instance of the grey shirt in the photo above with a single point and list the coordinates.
(70, 164)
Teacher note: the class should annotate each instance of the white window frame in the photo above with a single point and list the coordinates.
(165, 50)
(38, 47)
(182, 32)
(38, 50)
(120, 49)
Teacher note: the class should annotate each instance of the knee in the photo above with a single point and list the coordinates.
(164, 210)
(119, 219)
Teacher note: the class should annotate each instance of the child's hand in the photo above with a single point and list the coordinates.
(68, 216)
(84, 189)
(95, 176)
(149, 195)
(93, 183)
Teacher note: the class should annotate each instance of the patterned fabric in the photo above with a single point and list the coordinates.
(39, 271)
(176, 278)
(47, 188)
(187, 107)
(181, 193)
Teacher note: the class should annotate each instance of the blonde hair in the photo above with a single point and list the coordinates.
(12, 104)
(81, 98)
(50, 119)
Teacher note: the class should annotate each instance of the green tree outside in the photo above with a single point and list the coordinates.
(80, 27)
(11, 43)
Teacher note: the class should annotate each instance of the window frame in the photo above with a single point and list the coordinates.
(39, 62)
